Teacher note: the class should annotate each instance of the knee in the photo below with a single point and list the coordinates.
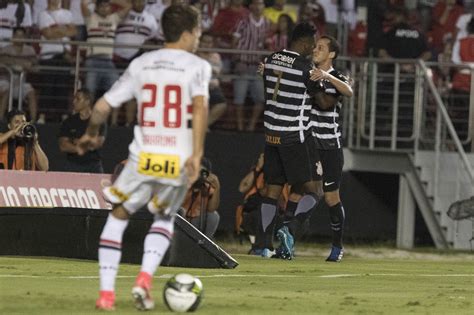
(332, 198)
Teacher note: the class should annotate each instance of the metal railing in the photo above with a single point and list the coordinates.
(390, 109)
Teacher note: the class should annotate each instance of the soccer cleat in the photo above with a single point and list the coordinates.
(280, 253)
(287, 242)
(267, 253)
(141, 292)
(336, 254)
(106, 301)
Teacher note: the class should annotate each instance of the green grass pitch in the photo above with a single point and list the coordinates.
(368, 281)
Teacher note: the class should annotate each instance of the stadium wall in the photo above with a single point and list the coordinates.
(370, 199)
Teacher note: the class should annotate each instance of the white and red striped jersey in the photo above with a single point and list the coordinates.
(134, 29)
(252, 34)
(8, 21)
(102, 30)
(163, 82)
(54, 18)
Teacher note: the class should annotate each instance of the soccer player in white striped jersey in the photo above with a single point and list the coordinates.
(171, 88)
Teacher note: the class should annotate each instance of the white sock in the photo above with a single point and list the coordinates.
(157, 242)
(110, 251)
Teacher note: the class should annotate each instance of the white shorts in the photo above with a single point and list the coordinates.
(5, 86)
(133, 190)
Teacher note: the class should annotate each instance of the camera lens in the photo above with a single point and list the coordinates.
(28, 131)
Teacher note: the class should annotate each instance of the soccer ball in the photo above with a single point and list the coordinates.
(183, 293)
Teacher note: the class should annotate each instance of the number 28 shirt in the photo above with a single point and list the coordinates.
(163, 82)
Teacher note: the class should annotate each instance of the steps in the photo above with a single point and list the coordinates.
(453, 184)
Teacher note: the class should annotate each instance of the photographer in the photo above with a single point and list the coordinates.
(19, 146)
(204, 194)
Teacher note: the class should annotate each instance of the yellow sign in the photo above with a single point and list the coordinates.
(159, 165)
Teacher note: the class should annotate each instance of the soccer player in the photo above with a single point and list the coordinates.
(171, 86)
(288, 141)
(332, 86)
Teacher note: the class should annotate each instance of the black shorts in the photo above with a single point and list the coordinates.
(288, 164)
(216, 96)
(332, 162)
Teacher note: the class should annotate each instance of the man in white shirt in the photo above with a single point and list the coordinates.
(101, 27)
(9, 20)
(165, 155)
(56, 23)
(135, 29)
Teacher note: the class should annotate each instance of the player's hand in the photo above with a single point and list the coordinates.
(261, 67)
(87, 143)
(318, 74)
(192, 166)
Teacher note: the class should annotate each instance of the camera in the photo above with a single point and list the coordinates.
(28, 131)
(202, 179)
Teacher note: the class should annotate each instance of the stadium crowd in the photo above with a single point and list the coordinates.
(439, 29)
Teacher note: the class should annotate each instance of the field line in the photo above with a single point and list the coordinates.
(167, 276)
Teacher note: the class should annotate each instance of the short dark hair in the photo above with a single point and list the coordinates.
(87, 94)
(334, 45)
(302, 31)
(177, 19)
(14, 112)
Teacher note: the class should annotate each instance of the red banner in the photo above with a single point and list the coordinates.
(53, 189)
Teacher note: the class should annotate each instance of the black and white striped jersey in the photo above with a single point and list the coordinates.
(326, 126)
(288, 104)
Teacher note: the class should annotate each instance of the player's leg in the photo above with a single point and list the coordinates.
(127, 194)
(298, 163)
(333, 162)
(164, 205)
(275, 179)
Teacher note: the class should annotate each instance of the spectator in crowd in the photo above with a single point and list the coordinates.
(313, 13)
(19, 146)
(279, 40)
(209, 10)
(250, 35)
(13, 15)
(156, 8)
(204, 195)
(358, 36)
(443, 23)
(461, 84)
(37, 6)
(403, 41)
(74, 128)
(136, 28)
(460, 32)
(75, 7)
(20, 57)
(224, 25)
(331, 13)
(101, 26)
(278, 8)
(56, 23)
(217, 101)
